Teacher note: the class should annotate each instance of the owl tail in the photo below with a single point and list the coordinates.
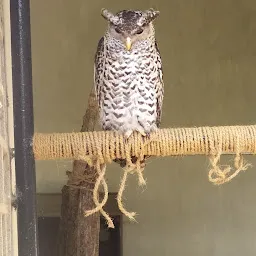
(134, 159)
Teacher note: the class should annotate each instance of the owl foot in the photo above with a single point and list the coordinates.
(147, 135)
(127, 134)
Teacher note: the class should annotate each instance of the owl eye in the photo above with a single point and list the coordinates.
(118, 30)
(139, 31)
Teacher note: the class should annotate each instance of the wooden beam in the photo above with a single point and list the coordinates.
(49, 205)
(79, 235)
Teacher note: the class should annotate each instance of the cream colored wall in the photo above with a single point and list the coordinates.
(209, 56)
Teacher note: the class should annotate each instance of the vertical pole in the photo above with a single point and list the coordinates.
(79, 235)
(23, 127)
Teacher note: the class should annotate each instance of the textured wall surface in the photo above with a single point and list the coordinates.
(8, 220)
(209, 56)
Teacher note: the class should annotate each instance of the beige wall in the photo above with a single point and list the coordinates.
(209, 55)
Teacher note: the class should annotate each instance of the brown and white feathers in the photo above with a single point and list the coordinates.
(128, 73)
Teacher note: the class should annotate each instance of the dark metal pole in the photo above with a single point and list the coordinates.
(23, 127)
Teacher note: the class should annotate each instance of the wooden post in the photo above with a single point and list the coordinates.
(79, 235)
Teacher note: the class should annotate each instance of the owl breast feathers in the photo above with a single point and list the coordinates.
(128, 74)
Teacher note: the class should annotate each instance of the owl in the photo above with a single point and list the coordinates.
(128, 76)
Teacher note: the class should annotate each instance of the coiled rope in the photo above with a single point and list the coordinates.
(100, 148)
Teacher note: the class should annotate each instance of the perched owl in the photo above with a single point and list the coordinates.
(128, 73)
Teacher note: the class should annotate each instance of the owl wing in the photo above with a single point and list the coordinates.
(160, 87)
(99, 62)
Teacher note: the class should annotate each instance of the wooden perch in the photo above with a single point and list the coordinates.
(79, 235)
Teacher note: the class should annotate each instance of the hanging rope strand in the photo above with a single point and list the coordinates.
(99, 148)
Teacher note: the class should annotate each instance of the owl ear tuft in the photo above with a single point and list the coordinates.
(148, 16)
(109, 16)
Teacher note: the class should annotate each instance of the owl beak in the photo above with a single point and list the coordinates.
(128, 43)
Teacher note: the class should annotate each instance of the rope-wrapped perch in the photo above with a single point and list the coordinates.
(98, 148)
(108, 145)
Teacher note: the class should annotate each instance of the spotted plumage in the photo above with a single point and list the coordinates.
(128, 74)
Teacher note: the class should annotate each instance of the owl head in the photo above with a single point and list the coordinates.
(130, 26)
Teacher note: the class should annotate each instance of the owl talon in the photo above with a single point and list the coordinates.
(146, 137)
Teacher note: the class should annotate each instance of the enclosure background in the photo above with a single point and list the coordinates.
(209, 58)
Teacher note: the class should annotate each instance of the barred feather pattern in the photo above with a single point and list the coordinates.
(129, 86)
